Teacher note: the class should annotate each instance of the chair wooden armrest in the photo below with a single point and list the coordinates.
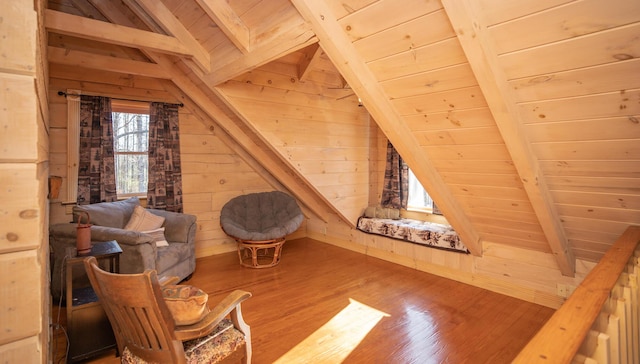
(167, 281)
(229, 305)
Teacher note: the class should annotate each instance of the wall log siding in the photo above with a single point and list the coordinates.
(24, 170)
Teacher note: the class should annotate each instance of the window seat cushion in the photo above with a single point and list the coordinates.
(414, 231)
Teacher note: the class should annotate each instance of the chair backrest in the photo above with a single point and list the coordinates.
(140, 319)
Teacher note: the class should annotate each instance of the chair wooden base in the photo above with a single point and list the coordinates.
(260, 254)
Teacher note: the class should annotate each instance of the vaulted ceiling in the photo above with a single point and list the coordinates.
(521, 118)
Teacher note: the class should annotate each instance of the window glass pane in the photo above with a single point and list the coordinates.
(131, 132)
(131, 144)
(418, 197)
(131, 173)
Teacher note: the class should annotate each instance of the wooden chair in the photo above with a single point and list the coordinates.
(145, 330)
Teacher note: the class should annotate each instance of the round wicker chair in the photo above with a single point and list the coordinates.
(259, 223)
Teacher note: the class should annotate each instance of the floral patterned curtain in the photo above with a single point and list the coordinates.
(395, 192)
(96, 168)
(165, 177)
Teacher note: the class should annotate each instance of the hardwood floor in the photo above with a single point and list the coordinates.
(324, 304)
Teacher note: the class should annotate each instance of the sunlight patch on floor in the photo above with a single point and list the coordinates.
(335, 340)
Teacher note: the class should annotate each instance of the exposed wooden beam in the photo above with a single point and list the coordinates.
(86, 28)
(226, 138)
(286, 175)
(72, 57)
(311, 56)
(345, 57)
(165, 18)
(493, 82)
(296, 38)
(229, 22)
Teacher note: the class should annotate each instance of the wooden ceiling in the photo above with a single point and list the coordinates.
(521, 118)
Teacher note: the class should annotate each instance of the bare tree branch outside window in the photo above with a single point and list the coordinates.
(131, 146)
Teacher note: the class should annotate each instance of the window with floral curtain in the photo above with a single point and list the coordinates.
(96, 171)
(164, 190)
(395, 191)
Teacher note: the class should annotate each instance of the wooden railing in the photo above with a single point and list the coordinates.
(599, 322)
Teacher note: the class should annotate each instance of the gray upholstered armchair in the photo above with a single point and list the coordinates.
(140, 250)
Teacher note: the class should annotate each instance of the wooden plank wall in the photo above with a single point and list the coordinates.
(315, 125)
(516, 272)
(212, 172)
(24, 281)
(579, 105)
(419, 62)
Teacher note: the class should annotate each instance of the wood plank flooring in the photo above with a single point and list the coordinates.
(324, 304)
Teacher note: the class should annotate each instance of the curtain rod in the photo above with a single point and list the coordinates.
(62, 93)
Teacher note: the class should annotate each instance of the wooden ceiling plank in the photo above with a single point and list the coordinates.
(94, 61)
(231, 24)
(295, 39)
(87, 9)
(337, 45)
(165, 18)
(311, 56)
(115, 15)
(501, 100)
(86, 28)
(244, 145)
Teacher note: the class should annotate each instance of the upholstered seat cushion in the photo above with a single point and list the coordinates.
(208, 349)
(261, 216)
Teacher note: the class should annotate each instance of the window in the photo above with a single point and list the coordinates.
(131, 146)
(419, 199)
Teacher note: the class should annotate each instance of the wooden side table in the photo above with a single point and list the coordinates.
(88, 326)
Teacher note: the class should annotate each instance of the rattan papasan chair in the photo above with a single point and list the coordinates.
(259, 223)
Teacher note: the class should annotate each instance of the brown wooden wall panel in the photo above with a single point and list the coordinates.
(212, 172)
(307, 130)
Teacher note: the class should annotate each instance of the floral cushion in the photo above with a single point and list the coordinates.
(212, 348)
(414, 231)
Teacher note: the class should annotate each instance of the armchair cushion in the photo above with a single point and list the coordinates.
(114, 214)
(143, 220)
(261, 216)
(158, 236)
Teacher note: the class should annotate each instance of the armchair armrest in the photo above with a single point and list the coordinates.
(229, 305)
(179, 227)
(128, 237)
(101, 233)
